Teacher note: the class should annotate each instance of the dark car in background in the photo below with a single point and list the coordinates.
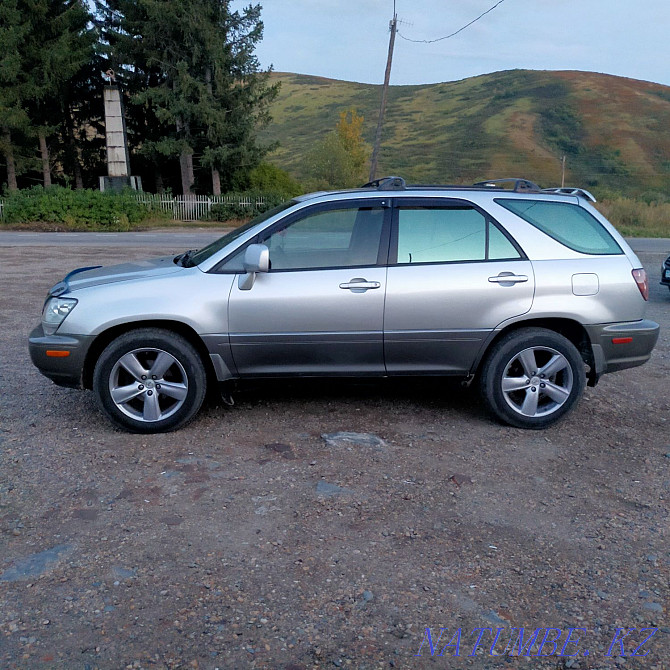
(665, 272)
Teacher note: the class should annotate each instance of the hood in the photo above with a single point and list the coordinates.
(87, 277)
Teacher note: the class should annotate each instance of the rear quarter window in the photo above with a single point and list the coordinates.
(569, 224)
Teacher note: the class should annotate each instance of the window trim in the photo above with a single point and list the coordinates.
(447, 203)
(305, 212)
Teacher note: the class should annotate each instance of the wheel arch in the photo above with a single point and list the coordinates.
(568, 328)
(109, 335)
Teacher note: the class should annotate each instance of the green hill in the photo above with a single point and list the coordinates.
(613, 131)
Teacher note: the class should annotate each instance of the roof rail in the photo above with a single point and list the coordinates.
(520, 185)
(387, 184)
(568, 190)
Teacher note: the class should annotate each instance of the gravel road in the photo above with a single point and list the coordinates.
(250, 540)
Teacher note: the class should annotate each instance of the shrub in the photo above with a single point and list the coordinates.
(269, 177)
(80, 209)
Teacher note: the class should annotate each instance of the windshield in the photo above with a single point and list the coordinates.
(197, 257)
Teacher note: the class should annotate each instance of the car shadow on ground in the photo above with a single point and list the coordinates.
(427, 393)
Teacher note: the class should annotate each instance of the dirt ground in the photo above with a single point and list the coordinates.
(248, 540)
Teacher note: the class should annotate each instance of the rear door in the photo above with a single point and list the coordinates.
(453, 276)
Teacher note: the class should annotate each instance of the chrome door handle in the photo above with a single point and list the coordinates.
(510, 278)
(360, 285)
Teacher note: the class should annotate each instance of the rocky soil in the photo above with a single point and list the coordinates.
(327, 525)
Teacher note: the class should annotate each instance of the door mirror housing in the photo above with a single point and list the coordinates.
(256, 259)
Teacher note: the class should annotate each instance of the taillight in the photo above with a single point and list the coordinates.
(640, 277)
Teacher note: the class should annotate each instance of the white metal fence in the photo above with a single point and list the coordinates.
(195, 207)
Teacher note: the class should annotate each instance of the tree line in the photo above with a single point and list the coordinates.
(195, 96)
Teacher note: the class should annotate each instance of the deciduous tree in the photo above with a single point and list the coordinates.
(339, 161)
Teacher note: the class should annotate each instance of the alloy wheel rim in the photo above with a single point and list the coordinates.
(148, 385)
(537, 381)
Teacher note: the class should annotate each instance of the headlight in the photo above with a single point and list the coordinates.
(54, 313)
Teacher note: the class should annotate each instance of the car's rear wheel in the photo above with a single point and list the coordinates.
(150, 381)
(532, 378)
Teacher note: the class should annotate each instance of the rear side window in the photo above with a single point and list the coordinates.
(569, 224)
(447, 235)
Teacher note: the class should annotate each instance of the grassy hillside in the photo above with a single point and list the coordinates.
(613, 131)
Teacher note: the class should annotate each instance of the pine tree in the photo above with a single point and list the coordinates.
(60, 47)
(45, 45)
(190, 65)
(13, 117)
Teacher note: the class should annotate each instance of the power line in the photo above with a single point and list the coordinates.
(460, 30)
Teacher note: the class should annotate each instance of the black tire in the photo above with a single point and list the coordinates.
(526, 400)
(150, 380)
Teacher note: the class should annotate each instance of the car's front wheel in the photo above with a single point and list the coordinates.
(532, 378)
(150, 381)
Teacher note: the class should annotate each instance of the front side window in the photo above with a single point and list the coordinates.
(204, 253)
(328, 239)
(449, 234)
(569, 224)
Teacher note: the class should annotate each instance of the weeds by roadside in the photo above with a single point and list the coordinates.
(636, 218)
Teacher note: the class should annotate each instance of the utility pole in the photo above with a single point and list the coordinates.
(563, 171)
(387, 76)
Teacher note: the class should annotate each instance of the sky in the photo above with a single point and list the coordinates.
(348, 39)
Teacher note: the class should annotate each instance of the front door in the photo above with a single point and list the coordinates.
(320, 308)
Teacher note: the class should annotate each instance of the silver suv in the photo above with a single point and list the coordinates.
(532, 293)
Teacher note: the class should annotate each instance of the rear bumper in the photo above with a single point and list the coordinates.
(59, 357)
(617, 346)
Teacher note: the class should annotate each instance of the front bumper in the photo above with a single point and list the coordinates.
(59, 357)
(617, 346)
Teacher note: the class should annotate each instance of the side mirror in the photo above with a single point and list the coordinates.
(256, 259)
